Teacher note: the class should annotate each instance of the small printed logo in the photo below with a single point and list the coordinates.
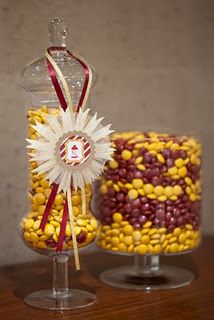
(75, 150)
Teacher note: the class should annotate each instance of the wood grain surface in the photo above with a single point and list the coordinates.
(195, 301)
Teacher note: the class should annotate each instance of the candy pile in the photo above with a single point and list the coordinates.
(86, 226)
(150, 194)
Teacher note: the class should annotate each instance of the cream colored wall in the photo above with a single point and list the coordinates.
(155, 66)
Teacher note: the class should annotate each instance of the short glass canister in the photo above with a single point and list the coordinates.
(43, 102)
(149, 201)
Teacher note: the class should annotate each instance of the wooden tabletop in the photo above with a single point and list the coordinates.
(195, 301)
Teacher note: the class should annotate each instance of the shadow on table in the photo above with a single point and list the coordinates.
(35, 276)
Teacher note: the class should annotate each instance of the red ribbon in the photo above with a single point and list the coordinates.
(63, 227)
(86, 72)
(49, 205)
(56, 84)
(64, 106)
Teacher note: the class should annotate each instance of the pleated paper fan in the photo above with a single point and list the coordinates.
(72, 148)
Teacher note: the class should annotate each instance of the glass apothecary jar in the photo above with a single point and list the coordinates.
(42, 101)
(149, 202)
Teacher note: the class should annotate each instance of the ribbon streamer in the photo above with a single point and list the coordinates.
(71, 216)
(52, 67)
(54, 72)
(49, 205)
(63, 227)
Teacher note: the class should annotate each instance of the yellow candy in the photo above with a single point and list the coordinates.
(109, 183)
(182, 172)
(193, 159)
(128, 240)
(103, 189)
(117, 217)
(128, 186)
(182, 238)
(49, 229)
(68, 230)
(177, 190)
(41, 245)
(141, 167)
(145, 239)
(188, 226)
(27, 236)
(39, 190)
(76, 210)
(137, 183)
(173, 198)
(135, 152)
(133, 194)
(39, 198)
(122, 247)
(36, 225)
(55, 223)
(188, 190)
(173, 247)
(175, 146)
(155, 241)
(115, 241)
(150, 248)
(188, 181)
(181, 247)
(136, 235)
(128, 229)
(147, 224)
(44, 184)
(77, 230)
(151, 196)
(126, 154)
(152, 231)
(94, 223)
(141, 192)
(173, 171)
(179, 162)
(173, 239)
(81, 222)
(161, 230)
(131, 248)
(148, 188)
(159, 190)
(162, 198)
(165, 243)
(115, 232)
(160, 158)
(138, 160)
(116, 187)
(177, 232)
(47, 192)
(76, 200)
(115, 225)
(142, 249)
(34, 237)
(193, 197)
(145, 231)
(188, 234)
(29, 223)
(58, 200)
(168, 191)
(113, 164)
(157, 248)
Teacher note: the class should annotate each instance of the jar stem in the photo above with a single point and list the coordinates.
(60, 275)
(146, 265)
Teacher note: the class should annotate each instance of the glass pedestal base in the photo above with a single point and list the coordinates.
(73, 299)
(166, 277)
